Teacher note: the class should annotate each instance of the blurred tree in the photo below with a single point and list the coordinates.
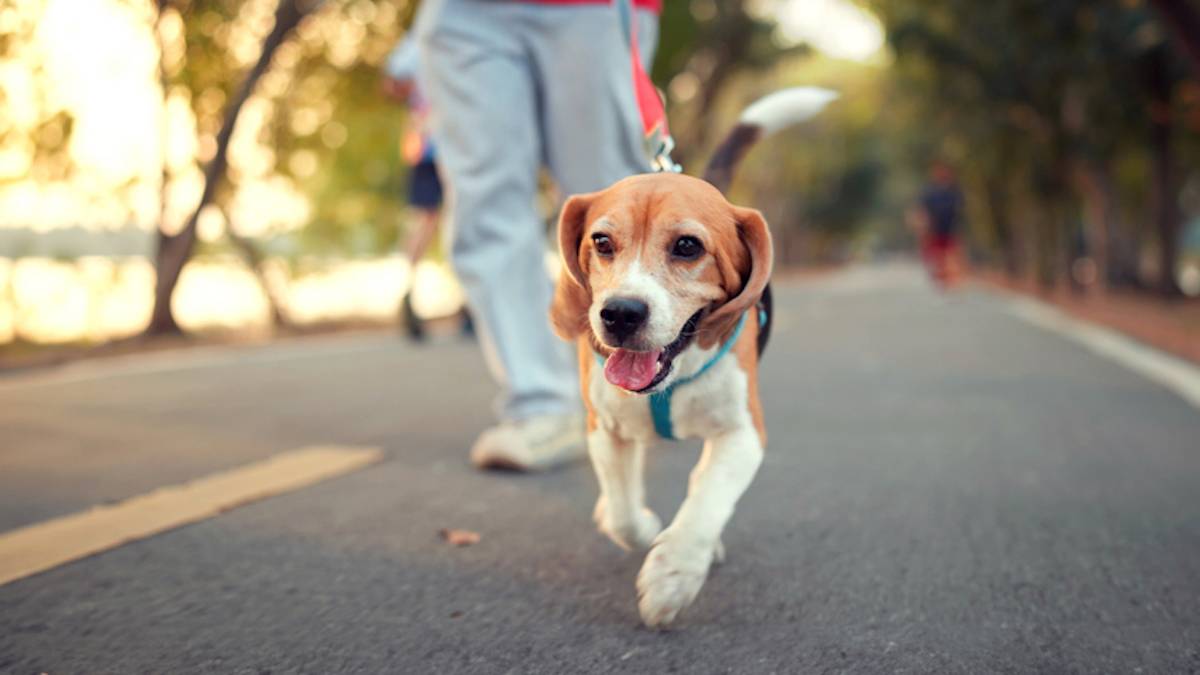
(704, 45)
(1037, 101)
(827, 186)
(175, 249)
(1184, 19)
(1073, 124)
(313, 79)
(35, 131)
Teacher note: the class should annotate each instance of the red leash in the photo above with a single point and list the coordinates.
(656, 133)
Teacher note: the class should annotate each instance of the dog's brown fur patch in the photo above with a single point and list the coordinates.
(643, 215)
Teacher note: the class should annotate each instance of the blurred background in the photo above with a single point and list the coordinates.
(230, 167)
(960, 479)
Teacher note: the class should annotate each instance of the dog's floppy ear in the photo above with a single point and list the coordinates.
(753, 271)
(572, 297)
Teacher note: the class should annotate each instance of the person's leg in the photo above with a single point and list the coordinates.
(420, 235)
(929, 254)
(485, 126)
(590, 117)
(955, 261)
(425, 228)
(424, 200)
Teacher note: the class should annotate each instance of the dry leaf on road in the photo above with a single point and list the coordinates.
(459, 537)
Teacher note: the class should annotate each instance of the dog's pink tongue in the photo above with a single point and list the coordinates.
(631, 370)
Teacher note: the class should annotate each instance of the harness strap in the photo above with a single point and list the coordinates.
(660, 402)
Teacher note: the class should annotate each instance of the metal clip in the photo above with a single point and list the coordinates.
(661, 147)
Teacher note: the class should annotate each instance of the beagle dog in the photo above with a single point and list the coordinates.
(664, 291)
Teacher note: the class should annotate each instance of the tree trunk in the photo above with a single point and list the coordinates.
(1051, 179)
(254, 260)
(167, 323)
(1099, 200)
(997, 205)
(1046, 253)
(175, 250)
(1118, 259)
(1166, 211)
(1162, 153)
(729, 46)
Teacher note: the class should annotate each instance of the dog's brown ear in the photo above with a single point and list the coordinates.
(753, 271)
(572, 297)
(571, 223)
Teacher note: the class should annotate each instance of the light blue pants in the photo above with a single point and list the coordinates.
(514, 87)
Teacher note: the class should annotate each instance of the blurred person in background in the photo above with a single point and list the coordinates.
(424, 184)
(516, 86)
(939, 224)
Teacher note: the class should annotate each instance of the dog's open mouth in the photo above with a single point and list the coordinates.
(640, 372)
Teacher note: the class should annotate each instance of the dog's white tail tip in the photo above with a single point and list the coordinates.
(784, 108)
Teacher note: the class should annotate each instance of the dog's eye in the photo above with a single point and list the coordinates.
(603, 244)
(687, 248)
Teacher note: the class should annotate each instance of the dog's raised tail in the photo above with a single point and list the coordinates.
(764, 117)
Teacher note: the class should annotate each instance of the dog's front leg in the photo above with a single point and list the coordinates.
(678, 563)
(621, 511)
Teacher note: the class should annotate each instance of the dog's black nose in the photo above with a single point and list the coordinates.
(622, 317)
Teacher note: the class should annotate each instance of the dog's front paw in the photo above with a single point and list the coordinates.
(672, 575)
(634, 534)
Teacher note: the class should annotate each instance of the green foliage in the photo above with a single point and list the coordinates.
(704, 47)
(41, 135)
(330, 130)
(1038, 104)
(832, 183)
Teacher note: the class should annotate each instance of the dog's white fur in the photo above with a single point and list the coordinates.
(713, 407)
(662, 325)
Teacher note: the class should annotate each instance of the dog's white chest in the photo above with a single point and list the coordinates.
(712, 404)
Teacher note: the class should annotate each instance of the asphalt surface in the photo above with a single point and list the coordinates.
(947, 490)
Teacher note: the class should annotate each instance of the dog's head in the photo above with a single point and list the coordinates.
(653, 264)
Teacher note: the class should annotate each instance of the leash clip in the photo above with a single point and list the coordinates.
(659, 147)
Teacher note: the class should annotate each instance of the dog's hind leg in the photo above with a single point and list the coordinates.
(621, 511)
(677, 565)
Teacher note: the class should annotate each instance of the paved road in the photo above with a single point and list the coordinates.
(948, 489)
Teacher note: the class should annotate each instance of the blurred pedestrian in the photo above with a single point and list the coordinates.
(515, 86)
(424, 184)
(941, 207)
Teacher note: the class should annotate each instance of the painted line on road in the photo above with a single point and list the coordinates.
(1174, 373)
(37, 548)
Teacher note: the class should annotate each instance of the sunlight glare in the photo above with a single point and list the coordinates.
(839, 28)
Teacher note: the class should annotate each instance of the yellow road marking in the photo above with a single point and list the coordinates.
(45, 545)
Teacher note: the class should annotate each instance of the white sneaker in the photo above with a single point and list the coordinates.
(534, 444)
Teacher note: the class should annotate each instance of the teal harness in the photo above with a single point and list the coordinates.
(660, 402)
